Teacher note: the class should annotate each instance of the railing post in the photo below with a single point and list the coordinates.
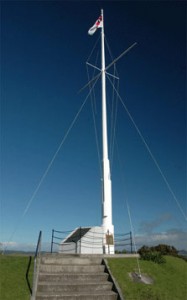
(108, 242)
(131, 240)
(80, 240)
(52, 241)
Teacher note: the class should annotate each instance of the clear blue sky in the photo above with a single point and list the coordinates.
(44, 48)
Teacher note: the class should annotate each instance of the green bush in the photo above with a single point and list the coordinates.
(144, 249)
(154, 256)
(162, 248)
(155, 253)
(165, 249)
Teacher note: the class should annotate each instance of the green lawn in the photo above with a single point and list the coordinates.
(13, 285)
(170, 279)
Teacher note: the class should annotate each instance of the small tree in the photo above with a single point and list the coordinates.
(150, 254)
(144, 249)
(166, 250)
(154, 256)
(156, 253)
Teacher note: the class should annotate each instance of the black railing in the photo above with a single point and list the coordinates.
(123, 242)
(27, 275)
(57, 237)
(36, 266)
(73, 240)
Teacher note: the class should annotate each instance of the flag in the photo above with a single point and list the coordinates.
(98, 24)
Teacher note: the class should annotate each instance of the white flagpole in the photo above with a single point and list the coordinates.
(108, 228)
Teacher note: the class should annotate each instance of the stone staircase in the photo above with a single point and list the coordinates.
(74, 277)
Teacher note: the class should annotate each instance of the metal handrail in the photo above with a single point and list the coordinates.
(38, 247)
(36, 265)
(37, 252)
(27, 275)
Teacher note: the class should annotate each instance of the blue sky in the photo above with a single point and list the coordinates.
(44, 48)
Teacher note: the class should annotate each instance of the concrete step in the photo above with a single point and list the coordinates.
(52, 268)
(73, 277)
(69, 260)
(65, 277)
(51, 287)
(98, 295)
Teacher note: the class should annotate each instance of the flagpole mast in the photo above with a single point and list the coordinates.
(108, 228)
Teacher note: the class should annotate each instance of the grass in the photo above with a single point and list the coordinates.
(170, 279)
(13, 285)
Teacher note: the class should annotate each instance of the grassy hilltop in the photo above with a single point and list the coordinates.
(169, 278)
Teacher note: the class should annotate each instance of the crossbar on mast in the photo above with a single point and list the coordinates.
(110, 65)
(100, 70)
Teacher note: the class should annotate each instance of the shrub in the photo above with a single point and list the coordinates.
(166, 249)
(154, 256)
(162, 248)
(144, 249)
